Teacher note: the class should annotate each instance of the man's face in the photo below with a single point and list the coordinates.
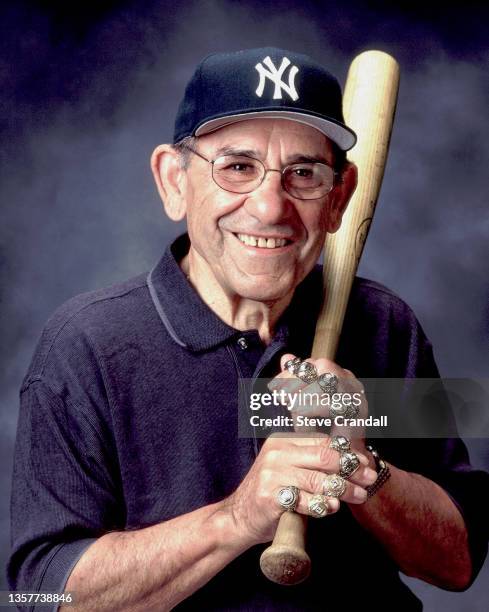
(215, 217)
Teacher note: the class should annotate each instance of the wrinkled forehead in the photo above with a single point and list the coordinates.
(268, 136)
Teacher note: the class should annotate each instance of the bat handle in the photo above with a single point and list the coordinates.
(285, 561)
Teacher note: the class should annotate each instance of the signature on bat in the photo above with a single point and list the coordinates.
(361, 237)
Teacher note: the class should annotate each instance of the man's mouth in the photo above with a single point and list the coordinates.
(262, 242)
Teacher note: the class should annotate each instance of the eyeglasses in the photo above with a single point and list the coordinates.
(244, 174)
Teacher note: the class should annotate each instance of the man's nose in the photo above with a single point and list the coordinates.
(269, 203)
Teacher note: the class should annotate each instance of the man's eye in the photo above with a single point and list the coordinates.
(240, 167)
(303, 172)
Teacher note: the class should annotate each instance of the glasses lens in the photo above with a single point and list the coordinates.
(237, 173)
(308, 181)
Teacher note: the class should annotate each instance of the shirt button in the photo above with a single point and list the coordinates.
(243, 344)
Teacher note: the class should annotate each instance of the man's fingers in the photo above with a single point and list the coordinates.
(347, 382)
(312, 439)
(328, 460)
(321, 458)
(318, 483)
(308, 501)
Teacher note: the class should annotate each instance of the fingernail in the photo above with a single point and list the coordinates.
(370, 475)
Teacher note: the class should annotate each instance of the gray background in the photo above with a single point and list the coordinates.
(86, 94)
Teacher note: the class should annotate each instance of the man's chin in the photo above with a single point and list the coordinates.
(263, 291)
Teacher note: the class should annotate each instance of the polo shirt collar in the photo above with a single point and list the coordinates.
(193, 325)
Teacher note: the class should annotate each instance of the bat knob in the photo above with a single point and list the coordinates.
(285, 564)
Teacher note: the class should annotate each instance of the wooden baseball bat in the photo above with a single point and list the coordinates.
(369, 103)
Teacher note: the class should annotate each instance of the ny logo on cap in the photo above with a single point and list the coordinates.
(276, 77)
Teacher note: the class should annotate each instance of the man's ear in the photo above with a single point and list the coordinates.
(170, 181)
(340, 196)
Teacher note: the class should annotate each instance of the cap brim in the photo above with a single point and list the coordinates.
(338, 133)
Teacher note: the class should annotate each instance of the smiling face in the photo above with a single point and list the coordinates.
(257, 245)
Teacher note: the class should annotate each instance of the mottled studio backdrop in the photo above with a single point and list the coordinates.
(86, 94)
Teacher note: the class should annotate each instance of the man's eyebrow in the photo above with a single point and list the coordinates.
(295, 158)
(230, 150)
(299, 158)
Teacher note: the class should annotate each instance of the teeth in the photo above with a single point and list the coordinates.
(264, 243)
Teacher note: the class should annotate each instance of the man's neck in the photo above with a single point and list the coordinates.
(235, 310)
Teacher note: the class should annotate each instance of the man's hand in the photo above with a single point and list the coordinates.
(349, 389)
(302, 460)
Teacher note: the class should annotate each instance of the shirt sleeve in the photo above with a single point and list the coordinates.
(65, 492)
(444, 460)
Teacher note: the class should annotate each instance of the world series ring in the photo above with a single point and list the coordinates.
(318, 506)
(348, 411)
(349, 464)
(288, 498)
(307, 372)
(328, 382)
(340, 443)
(334, 485)
(292, 365)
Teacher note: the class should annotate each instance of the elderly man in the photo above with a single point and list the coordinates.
(132, 487)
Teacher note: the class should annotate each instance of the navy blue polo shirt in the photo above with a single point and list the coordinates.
(129, 417)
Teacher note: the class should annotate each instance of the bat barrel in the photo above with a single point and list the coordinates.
(369, 104)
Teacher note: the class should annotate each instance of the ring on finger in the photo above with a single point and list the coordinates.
(334, 485)
(328, 382)
(348, 411)
(292, 365)
(318, 506)
(288, 498)
(352, 411)
(307, 372)
(349, 464)
(340, 444)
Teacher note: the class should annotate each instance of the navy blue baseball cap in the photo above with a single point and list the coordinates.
(262, 83)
